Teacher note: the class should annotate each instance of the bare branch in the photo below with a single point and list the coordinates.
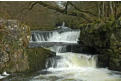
(51, 7)
(66, 7)
(32, 5)
(81, 16)
(84, 11)
(62, 11)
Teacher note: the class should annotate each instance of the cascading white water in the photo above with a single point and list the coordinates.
(55, 36)
(77, 67)
(70, 66)
(58, 49)
(73, 60)
(71, 37)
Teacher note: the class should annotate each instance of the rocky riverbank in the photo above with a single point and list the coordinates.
(103, 39)
(15, 56)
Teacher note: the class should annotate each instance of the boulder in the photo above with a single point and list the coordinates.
(15, 56)
(14, 39)
(37, 58)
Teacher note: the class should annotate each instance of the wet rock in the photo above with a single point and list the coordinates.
(37, 58)
(104, 39)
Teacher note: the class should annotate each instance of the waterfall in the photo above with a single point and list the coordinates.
(58, 49)
(71, 60)
(69, 66)
(55, 36)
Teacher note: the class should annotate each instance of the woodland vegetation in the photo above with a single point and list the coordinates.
(49, 14)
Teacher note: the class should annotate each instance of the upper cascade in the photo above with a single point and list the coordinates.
(55, 36)
(61, 34)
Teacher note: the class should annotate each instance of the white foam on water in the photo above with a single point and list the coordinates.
(58, 49)
(55, 36)
(77, 67)
(72, 66)
(1, 77)
(4, 75)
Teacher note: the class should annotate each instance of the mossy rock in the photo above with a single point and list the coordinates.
(104, 38)
(115, 64)
(13, 40)
(37, 58)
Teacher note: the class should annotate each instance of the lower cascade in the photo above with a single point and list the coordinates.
(69, 66)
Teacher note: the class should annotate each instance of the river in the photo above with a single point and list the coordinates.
(67, 65)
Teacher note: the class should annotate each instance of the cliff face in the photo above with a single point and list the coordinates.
(103, 39)
(15, 56)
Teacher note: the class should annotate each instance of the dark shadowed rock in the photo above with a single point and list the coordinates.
(103, 39)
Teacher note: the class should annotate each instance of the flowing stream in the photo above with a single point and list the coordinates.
(68, 66)
(55, 36)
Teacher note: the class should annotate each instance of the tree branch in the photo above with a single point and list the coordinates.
(66, 6)
(32, 4)
(63, 11)
(84, 11)
(51, 7)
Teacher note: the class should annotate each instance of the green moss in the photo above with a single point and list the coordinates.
(37, 58)
(104, 38)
